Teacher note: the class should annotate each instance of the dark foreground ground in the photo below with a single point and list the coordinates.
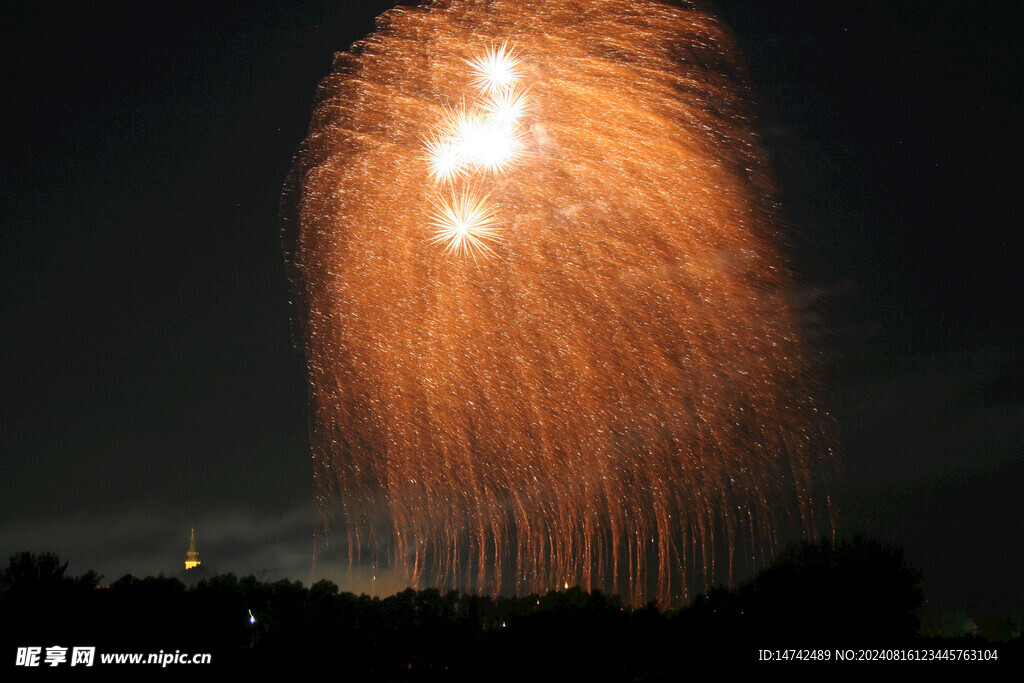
(851, 610)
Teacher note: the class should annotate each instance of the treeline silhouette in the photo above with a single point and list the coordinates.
(847, 594)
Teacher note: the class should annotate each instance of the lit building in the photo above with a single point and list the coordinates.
(192, 556)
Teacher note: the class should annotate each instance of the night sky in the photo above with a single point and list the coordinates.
(151, 380)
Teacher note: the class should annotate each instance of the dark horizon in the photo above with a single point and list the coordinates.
(853, 606)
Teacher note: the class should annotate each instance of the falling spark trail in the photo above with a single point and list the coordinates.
(615, 393)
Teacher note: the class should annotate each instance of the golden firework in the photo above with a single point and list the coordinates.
(619, 396)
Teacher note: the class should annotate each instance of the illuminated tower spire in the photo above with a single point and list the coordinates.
(192, 556)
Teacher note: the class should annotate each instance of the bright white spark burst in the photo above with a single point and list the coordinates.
(484, 142)
(506, 105)
(483, 137)
(445, 159)
(476, 140)
(496, 70)
(464, 223)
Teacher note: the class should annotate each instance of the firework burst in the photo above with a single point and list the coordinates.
(464, 224)
(495, 70)
(615, 393)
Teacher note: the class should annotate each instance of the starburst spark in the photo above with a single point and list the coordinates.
(496, 70)
(474, 141)
(445, 159)
(483, 142)
(507, 106)
(619, 396)
(464, 224)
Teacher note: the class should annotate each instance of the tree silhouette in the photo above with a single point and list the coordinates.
(28, 572)
(848, 591)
